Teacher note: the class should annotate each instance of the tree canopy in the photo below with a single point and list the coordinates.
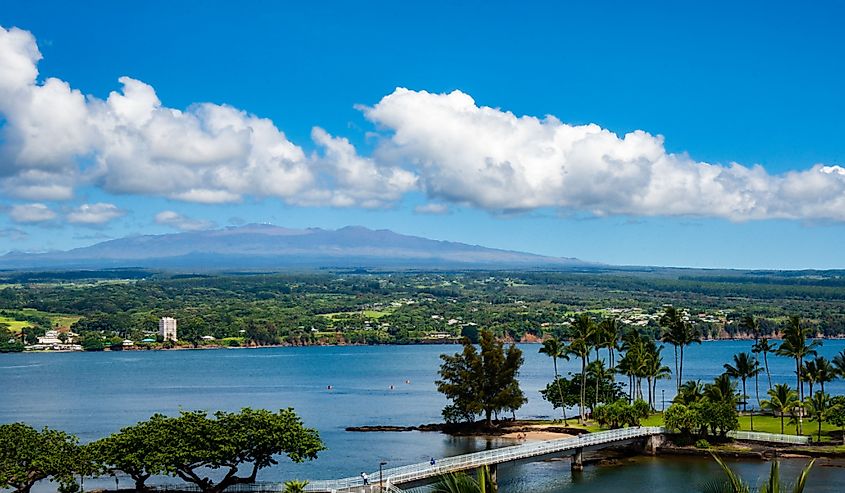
(189, 445)
(481, 382)
(28, 455)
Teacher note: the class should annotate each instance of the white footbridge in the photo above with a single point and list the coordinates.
(420, 472)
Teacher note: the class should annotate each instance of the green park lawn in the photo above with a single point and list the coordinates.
(764, 424)
(61, 319)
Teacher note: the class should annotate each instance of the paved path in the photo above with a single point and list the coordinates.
(417, 472)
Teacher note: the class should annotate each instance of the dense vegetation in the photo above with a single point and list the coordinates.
(360, 307)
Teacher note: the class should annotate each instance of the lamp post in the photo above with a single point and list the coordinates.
(663, 400)
(380, 475)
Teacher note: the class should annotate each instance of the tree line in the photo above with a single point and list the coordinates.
(484, 382)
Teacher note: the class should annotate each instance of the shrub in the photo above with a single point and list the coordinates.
(702, 444)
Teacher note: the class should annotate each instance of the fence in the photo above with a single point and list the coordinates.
(756, 436)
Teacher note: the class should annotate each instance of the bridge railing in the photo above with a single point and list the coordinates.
(414, 472)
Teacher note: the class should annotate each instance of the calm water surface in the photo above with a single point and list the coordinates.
(95, 394)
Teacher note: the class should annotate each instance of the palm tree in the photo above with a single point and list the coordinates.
(690, 392)
(668, 321)
(721, 390)
(808, 374)
(763, 346)
(554, 348)
(750, 324)
(839, 363)
(612, 330)
(295, 486)
(825, 371)
(597, 369)
(461, 482)
(680, 334)
(795, 346)
(772, 484)
(655, 370)
(782, 399)
(817, 407)
(581, 348)
(744, 367)
(584, 328)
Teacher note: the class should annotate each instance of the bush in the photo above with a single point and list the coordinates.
(702, 443)
(620, 413)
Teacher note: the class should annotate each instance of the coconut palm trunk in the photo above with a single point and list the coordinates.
(560, 392)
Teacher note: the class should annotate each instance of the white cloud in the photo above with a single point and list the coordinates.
(31, 213)
(432, 208)
(132, 144)
(94, 214)
(54, 138)
(181, 222)
(495, 160)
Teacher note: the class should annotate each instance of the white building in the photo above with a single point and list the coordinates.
(167, 328)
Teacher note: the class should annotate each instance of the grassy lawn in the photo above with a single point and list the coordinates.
(767, 424)
(14, 325)
(62, 319)
(375, 314)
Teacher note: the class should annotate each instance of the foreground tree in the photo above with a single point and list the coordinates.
(554, 349)
(461, 482)
(28, 455)
(134, 450)
(481, 382)
(772, 484)
(191, 444)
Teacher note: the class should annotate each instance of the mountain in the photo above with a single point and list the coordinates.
(257, 246)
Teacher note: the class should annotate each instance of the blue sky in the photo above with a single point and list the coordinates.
(758, 84)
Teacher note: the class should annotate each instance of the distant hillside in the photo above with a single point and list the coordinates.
(257, 246)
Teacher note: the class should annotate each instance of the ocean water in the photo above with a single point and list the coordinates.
(95, 394)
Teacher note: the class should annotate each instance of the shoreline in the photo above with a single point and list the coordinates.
(439, 342)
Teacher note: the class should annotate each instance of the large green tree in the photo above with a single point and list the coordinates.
(191, 444)
(481, 382)
(28, 455)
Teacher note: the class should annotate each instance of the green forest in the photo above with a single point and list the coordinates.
(359, 307)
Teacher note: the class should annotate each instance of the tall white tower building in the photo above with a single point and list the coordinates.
(167, 328)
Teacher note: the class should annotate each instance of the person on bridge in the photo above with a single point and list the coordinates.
(365, 478)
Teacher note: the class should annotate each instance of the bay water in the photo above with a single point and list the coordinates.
(95, 394)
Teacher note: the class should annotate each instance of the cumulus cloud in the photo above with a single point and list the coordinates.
(94, 214)
(492, 159)
(31, 213)
(55, 138)
(181, 222)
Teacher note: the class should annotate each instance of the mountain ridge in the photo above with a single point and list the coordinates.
(266, 245)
